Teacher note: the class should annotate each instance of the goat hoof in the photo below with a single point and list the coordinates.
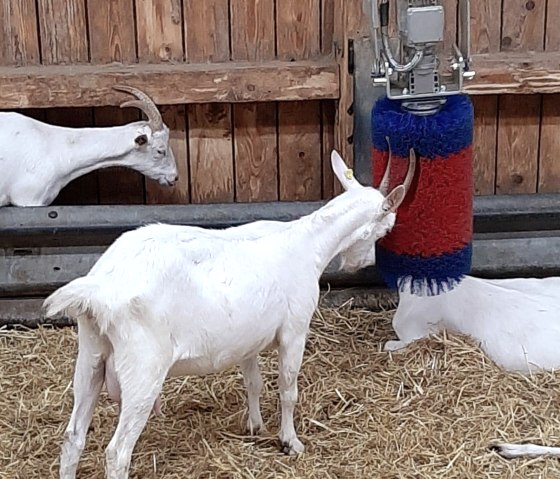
(394, 345)
(293, 447)
(254, 429)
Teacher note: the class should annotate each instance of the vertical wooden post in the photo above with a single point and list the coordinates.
(113, 41)
(210, 126)
(519, 116)
(256, 154)
(19, 42)
(485, 38)
(299, 132)
(549, 166)
(67, 44)
(160, 39)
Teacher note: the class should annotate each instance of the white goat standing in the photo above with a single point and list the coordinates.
(37, 159)
(176, 300)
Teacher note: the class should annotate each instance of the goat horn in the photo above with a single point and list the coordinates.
(384, 185)
(411, 170)
(145, 104)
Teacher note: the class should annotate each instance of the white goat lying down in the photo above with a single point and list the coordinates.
(37, 159)
(516, 321)
(176, 300)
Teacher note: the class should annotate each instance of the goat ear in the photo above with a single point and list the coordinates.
(393, 200)
(344, 174)
(141, 140)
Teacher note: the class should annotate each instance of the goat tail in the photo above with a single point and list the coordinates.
(76, 299)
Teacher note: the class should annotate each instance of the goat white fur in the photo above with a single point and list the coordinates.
(515, 321)
(175, 300)
(37, 159)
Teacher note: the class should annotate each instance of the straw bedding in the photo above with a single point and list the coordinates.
(429, 412)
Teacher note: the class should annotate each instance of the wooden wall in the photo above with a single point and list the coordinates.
(225, 152)
(278, 150)
(517, 136)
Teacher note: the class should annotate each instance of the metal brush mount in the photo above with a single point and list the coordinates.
(414, 66)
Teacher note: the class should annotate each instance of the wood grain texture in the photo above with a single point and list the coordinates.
(297, 29)
(256, 154)
(91, 85)
(299, 123)
(518, 144)
(300, 165)
(175, 118)
(552, 39)
(327, 26)
(207, 30)
(450, 28)
(118, 185)
(160, 40)
(83, 190)
(256, 168)
(328, 113)
(484, 144)
(210, 125)
(210, 147)
(252, 30)
(523, 23)
(159, 30)
(113, 40)
(549, 164)
(112, 37)
(519, 73)
(62, 24)
(19, 38)
(485, 26)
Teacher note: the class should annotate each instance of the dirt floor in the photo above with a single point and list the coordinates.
(429, 412)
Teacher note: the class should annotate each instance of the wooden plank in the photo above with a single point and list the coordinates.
(19, 42)
(484, 144)
(160, 35)
(175, 118)
(517, 73)
(91, 85)
(485, 38)
(351, 23)
(118, 185)
(328, 113)
(210, 126)
(299, 146)
(83, 190)
(67, 43)
(523, 23)
(327, 26)
(113, 41)
(256, 169)
(450, 28)
(160, 39)
(210, 147)
(299, 123)
(113, 26)
(552, 39)
(256, 154)
(485, 26)
(518, 144)
(549, 166)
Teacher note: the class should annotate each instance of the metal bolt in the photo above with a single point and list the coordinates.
(53, 214)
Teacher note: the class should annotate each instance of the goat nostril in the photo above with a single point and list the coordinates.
(176, 179)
